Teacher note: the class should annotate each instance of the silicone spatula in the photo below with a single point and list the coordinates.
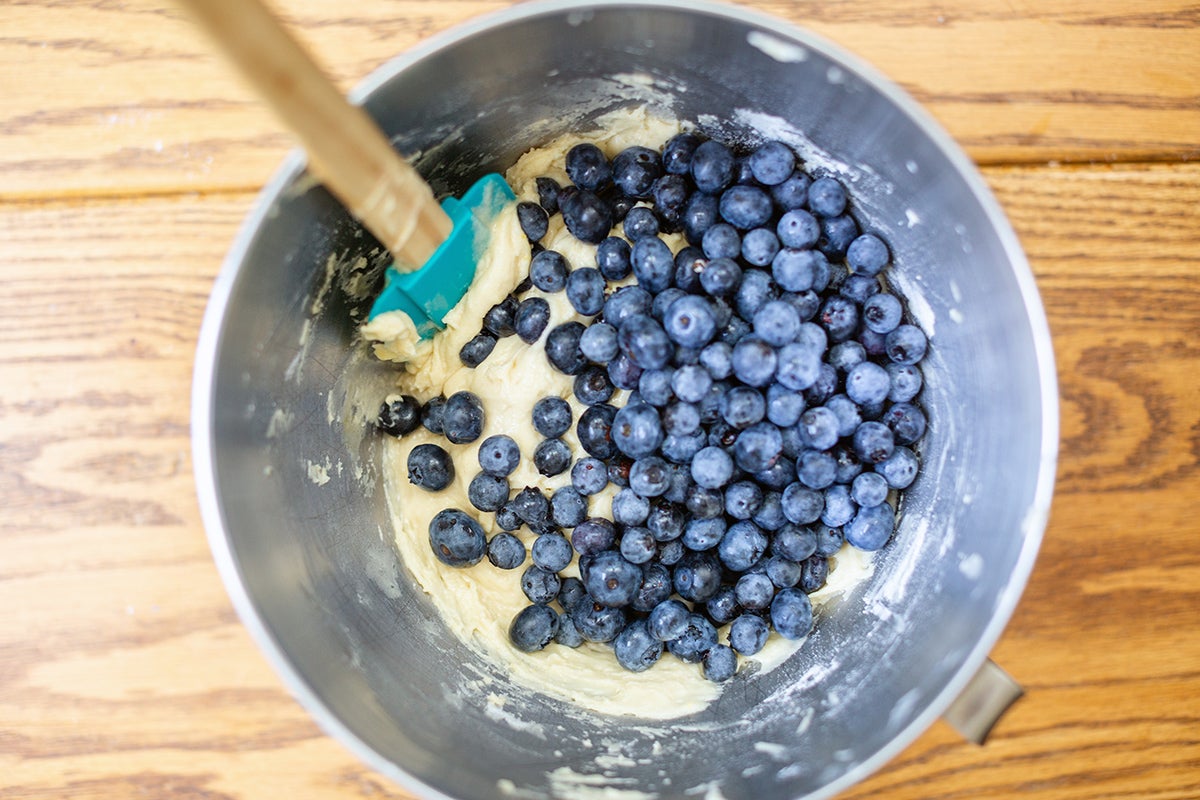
(434, 246)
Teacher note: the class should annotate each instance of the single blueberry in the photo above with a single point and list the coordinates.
(654, 387)
(823, 388)
(906, 344)
(547, 191)
(721, 241)
(680, 419)
(539, 585)
(506, 551)
(839, 506)
(873, 442)
(777, 323)
(507, 518)
(627, 302)
(596, 622)
(754, 591)
(827, 197)
(552, 552)
(754, 362)
(882, 312)
(630, 508)
(645, 342)
(802, 504)
(782, 572)
(456, 539)
(586, 216)
(568, 507)
(839, 317)
(906, 382)
(899, 469)
(635, 169)
(430, 467)
(869, 489)
(791, 614)
(758, 447)
(623, 373)
(488, 492)
(640, 223)
(649, 476)
(637, 430)
(868, 384)
(797, 366)
(433, 414)
(533, 628)
(638, 545)
(612, 580)
(636, 650)
(743, 500)
(668, 620)
(871, 527)
(533, 315)
(551, 417)
(712, 167)
(836, 235)
(548, 271)
(499, 455)
(798, 229)
(533, 219)
(500, 319)
(571, 593)
(690, 321)
(677, 153)
(907, 422)
(867, 255)
(568, 635)
(829, 539)
(722, 607)
(612, 258)
(656, 586)
(552, 457)
(653, 263)
(587, 166)
(698, 574)
(689, 263)
(813, 572)
(400, 417)
(593, 535)
(717, 358)
(701, 213)
(859, 288)
(755, 291)
(845, 356)
(712, 468)
(691, 383)
(599, 342)
(589, 476)
(816, 469)
(670, 194)
(772, 163)
(698, 637)
(745, 207)
(748, 634)
(476, 351)
(585, 291)
(595, 431)
(562, 348)
(784, 405)
(848, 413)
(704, 503)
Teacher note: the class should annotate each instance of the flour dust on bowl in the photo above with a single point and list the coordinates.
(289, 468)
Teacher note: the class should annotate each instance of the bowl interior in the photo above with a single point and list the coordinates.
(291, 487)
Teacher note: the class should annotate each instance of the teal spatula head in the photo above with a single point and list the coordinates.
(426, 294)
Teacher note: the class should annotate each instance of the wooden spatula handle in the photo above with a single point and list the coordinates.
(346, 150)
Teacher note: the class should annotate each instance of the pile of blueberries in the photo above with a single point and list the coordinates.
(771, 413)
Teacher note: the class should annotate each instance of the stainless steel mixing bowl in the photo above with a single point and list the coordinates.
(289, 483)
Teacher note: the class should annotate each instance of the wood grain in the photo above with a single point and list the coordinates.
(123, 96)
(129, 156)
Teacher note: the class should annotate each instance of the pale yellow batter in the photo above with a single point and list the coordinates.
(479, 602)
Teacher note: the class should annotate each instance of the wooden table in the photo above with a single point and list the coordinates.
(128, 157)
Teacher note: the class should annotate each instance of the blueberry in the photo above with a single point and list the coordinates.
(629, 508)
(640, 223)
(748, 634)
(488, 492)
(593, 536)
(587, 167)
(476, 351)
(848, 414)
(690, 321)
(533, 628)
(701, 213)
(839, 506)
(534, 220)
(859, 288)
(770, 516)
(638, 545)
(547, 191)
(562, 348)
(585, 291)
(587, 217)
(500, 319)
(826, 197)
(539, 585)
(668, 620)
(595, 431)
(784, 406)
(712, 167)
(899, 469)
(868, 384)
(430, 467)
(689, 263)
(625, 303)
(755, 291)
(798, 229)
(548, 271)
(745, 207)
(507, 518)
(906, 344)
(712, 468)
(813, 572)
(623, 373)
(802, 505)
(823, 388)
(791, 614)
(848, 465)
(612, 258)
(869, 489)
(873, 442)
(568, 507)
(589, 476)
(816, 469)
(551, 417)
(691, 383)
(758, 447)
(599, 342)
(829, 540)
(742, 545)
(698, 637)
(568, 635)
(635, 169)
(839, 317)
(552, 457)
(760, 247)
(907, 422)
(867, 255)
(680, 419)
(654, 387)
(645, 342)
(499, 455)
(637, 430)
(533, 315)
(777, 323)
(400, 416)
(717, 358)
(611, 580)
(782, 572)
(845, 356)
(571, 593)
(669, 195)
(743, 499)
(597, 623)
(531, 506)
(506, 551)
(456, 539)
(698, 574)
(677, 153)
(636, 650)
(704, 503)
(652, 262)
(772, 163)
(806, 303)
(754, 362)
(871, 527)
(882, 312)
(754, 591)
(836, 235)
(906, 382)
(722, 607)
(721, 241)
(551, 552)
(650, 476)
(433, 414)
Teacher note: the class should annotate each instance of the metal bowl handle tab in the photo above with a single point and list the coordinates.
(988, 695)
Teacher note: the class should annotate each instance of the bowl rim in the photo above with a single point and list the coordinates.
(211, 331)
